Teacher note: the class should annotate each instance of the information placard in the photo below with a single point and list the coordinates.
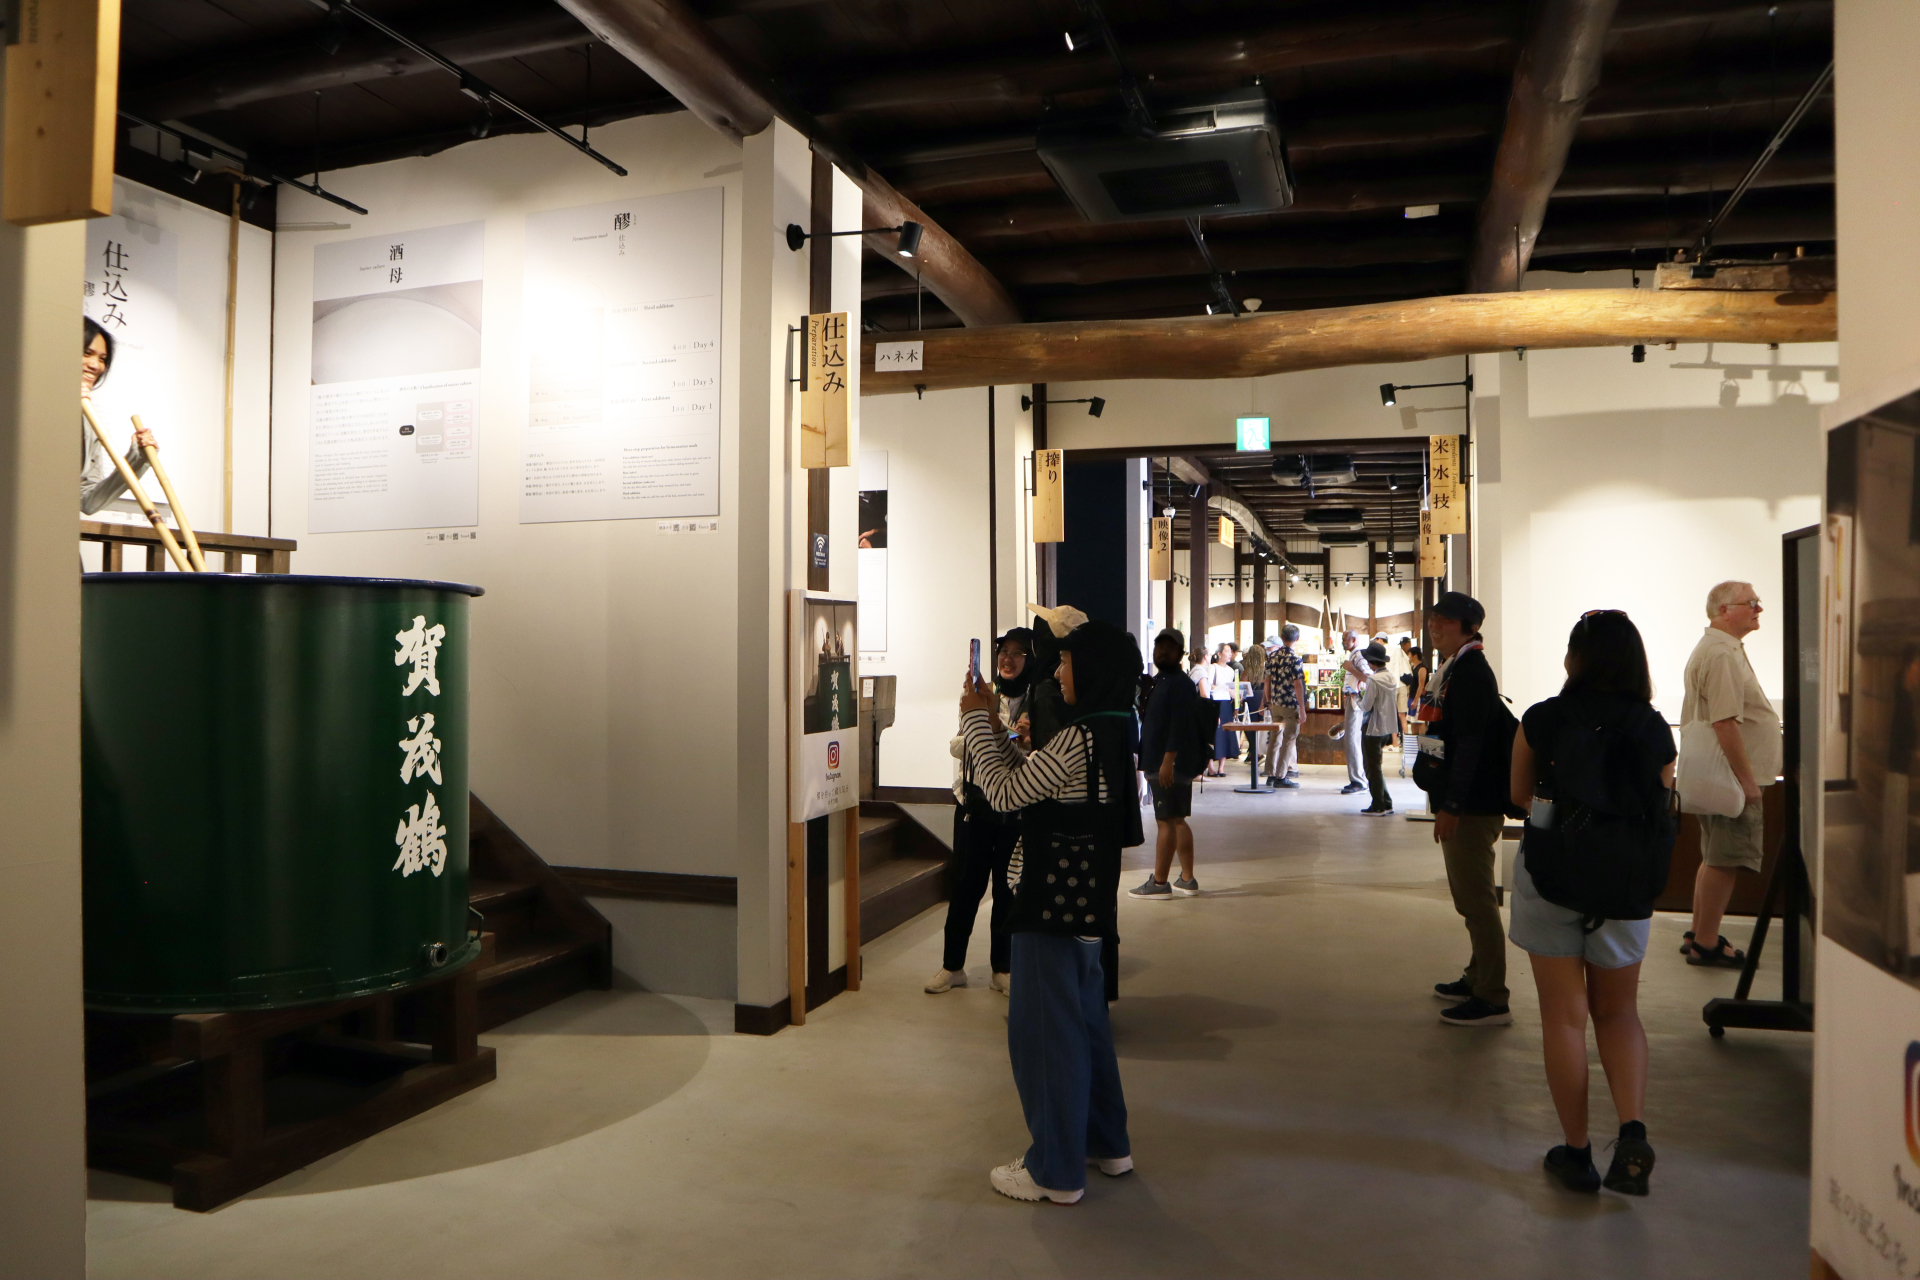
(394, 433)
(623, 340)
(823, 706)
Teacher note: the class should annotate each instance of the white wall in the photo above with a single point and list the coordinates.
(602, 689)
(1867, 1017)
(937, 565)
(43, 1177)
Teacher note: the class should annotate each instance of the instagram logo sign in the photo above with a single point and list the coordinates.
(833, 762)
(1912, 1080)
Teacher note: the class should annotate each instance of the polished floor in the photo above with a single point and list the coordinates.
(1297, 1110)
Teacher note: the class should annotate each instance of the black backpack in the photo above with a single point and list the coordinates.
(1611, 843)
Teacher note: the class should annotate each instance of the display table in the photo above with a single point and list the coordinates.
(1251, 727)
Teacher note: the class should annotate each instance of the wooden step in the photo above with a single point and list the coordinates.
(543, 940)
(532, 971)
(879, 840)
(899, 890)
(492, 895)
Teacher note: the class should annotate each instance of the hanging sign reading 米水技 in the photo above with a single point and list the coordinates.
(1446, 487)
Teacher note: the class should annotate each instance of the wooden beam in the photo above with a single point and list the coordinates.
(1379, 333)
(1559, 66)
(277, 68)
(667, 40)
(1222, 496)
(62, 81)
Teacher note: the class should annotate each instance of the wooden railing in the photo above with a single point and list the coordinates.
(270, 555)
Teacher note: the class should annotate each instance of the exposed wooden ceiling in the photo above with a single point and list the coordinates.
(1384, 105)
(1386, 490)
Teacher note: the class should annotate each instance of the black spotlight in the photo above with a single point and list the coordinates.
(1639, 353)
(910, 233)
(1095, 405)
(1386, 394)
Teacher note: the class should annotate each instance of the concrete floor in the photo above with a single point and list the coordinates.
(1297, 1110)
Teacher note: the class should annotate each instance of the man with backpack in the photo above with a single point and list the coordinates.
(1465, 753)
(1176, 741)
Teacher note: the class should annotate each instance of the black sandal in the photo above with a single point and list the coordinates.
(1687, 946)
(1722, 956)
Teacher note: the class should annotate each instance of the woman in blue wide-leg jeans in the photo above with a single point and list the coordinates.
(1061, 1044)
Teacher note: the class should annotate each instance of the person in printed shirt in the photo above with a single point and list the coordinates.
(1287, 695)
(1078, 809)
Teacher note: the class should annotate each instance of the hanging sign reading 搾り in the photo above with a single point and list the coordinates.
(1433, 552)
(1160, 550)
(1049, 497)
(823, 404)
(1446, 488)
(1224, 534)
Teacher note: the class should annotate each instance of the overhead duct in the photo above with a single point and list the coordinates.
(1313, 471)
(1334, 519)
(1348, 539)
(1203, 158)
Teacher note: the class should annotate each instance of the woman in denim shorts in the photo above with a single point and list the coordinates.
(1580, 973)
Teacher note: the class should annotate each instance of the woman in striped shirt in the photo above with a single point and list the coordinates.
(1076, 801)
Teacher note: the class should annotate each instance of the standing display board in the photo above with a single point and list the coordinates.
(394, 435)
(623, 319)
(823, 705)
(132, 292)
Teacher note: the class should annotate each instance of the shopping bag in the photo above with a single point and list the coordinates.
(1703, 777)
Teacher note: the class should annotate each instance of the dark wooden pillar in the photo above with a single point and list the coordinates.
(1373, 588)
(1259, 600)
(1197, 555)
(1239, 562)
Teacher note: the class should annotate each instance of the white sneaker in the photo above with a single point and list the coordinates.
(1014, 1182)
(946, 980)
(1113, 1168)
(1001, 982)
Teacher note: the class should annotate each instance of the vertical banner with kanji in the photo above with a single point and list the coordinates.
(1433, 552)
(1160, 549)
(1049, 495)
(823, 403)
(131, 292)
(1446, 490)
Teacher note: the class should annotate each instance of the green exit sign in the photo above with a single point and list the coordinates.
(1253, 435)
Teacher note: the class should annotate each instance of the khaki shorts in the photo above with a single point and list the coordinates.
(1733, 842)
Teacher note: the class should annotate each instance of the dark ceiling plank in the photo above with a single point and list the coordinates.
(1423, 329)
(195, 85)
(429, 142)
(668, 41)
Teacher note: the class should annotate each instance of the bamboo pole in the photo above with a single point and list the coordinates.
(233, 312)
(173, 499)
(133, 487)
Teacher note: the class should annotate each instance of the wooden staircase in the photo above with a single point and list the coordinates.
(541, 940)
(903, 869)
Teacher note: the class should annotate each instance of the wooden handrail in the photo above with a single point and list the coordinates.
(270, 555)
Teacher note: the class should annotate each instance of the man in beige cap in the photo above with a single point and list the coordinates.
(1722, 689)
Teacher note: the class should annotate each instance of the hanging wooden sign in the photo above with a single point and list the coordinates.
(1433, 552)
(1224, 534)
(1160, 549)
(1446, 487)
(824, 401)
(1049, 495)
(63, 73)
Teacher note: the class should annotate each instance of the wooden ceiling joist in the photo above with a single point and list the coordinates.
(1559, 67)
(1379, 333)
(297, 64)
(667, 40)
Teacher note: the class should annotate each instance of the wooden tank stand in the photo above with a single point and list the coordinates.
(219, 1104)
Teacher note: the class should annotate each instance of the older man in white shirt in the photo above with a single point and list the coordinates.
(1722, 690)
(1354, 675)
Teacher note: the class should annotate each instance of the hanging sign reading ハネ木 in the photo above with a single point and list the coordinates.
(1446, 490)
(823, 404)
(1433, 552)
(1049, 497)
(1160, 550)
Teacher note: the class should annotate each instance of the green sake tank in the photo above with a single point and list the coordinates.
(270, 817)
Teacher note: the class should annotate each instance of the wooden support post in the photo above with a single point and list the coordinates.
(1259, 600)
(797, 923)
(1373, 588)
(1199, 589)
(61, 95)
(850, 835)
(1239, 562)
(236, 1107)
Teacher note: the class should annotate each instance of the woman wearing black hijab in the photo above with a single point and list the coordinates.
(1076, 801)
(983, 840)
